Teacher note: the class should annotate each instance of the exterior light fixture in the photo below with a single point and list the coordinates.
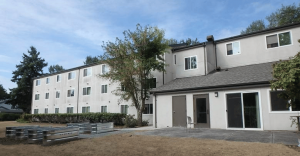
(216, 94)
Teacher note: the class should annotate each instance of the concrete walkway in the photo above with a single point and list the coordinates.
(281, 137)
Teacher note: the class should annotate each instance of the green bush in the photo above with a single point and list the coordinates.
(117, 118)
(130, 121)
(9, 117)
(22, 120)
(145, 123)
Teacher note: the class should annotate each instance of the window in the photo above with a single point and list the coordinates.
(70, 92)
(174, 59)
(47, 80)
(233, 48)
(278, 40)
(152, 83)
(103, 109)
(70, 110)
(105, 69)
(148, 109)
(37, 82)
(190, 62)
(57, 94)
(58, 77)
(37, 96)
(56, 110)
(36, 111)
(123, 87)
(87, 72)
(103, 88)
(124, 109)
(86, 109)
(47, 96)
(46, 110)
(87, 91)
(279, 104)
(71, 75)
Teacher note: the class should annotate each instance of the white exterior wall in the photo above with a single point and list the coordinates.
(254, 50)
(218, 116)
(95, 100)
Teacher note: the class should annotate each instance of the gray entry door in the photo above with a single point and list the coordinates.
(179, 111)
(201, 111)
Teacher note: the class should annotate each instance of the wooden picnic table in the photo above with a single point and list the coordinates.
(297, 121)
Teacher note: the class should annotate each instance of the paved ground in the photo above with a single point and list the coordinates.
(283, 137)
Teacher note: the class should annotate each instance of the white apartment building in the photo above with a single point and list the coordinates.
(221, 84)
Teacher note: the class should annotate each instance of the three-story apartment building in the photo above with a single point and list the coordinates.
(223, 84)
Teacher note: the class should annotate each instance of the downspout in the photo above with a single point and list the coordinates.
(78, 91)
(163, 77)
(155, 110)
(204, 58)
(215, 44)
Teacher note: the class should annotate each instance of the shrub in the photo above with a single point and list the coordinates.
(130, 121)
(9, 117)
(117, 118)
(22, 120)
(145, 123)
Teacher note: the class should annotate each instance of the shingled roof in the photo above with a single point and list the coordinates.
(243, 75)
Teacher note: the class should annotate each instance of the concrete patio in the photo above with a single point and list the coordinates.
(279, 137)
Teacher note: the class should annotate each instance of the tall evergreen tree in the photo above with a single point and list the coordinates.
(90, 60)
(3, 93)
(31, 66)
(55, 68)
(254, 26)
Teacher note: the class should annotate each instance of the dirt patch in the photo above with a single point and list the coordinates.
(294, 147)
(130, 144)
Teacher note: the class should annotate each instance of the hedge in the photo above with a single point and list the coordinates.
(9, 117)
(117, 118)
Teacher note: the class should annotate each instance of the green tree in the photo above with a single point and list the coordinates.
(187, 41)
(286, 76)
(285, 15)
(131, 61)
(254, 26)
(91, 60)
(55, 68)
(31, 66)
(3, 93)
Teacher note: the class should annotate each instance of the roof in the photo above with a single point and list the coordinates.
(7, 108)
(237, 76)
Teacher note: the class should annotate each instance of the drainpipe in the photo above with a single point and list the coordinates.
(204, 58)
(78, 92)
(155, 110)
(215, 44)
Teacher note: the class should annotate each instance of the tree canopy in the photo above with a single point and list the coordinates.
(31, 66)
(286, 76)
(91, 60)
(3, 93)
(285, 15)
(131, 61)
(55, 68)
(187, 41)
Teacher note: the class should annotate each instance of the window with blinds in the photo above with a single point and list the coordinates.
(86, 91)
(103, 88)
(277, 40)
(124, 109)
(70, 110)
(86, 109)
(233, 48)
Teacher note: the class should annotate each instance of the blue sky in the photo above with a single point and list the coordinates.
(66, 31)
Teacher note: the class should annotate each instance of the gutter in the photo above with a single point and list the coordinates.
(214, 88)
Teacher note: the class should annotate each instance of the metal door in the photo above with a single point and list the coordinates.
(201, 111)
(179, 111)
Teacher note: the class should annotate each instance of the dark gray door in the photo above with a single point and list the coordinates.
(201, 111)
(179, 111)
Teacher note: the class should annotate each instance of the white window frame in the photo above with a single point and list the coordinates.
(55, 110)
(106, 88)
(70, 107)
(37, 111)
(190, 63)
(125, 107)
(290, 111)
(87, 72)
(291, 36)
(105, 67)
(37, 82)
(47, 80)
(35, 97)
(104, 106)
(86, 91)
(232, 44)
(86, 112)
(48, 96)
(152, 108)
(70, 94)
(73, 75)
(260, 110)
(56, 94)
(59, 75)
